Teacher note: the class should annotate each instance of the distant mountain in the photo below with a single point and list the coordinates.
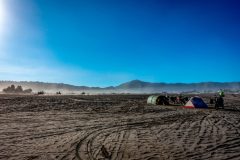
(135, 86)
(147, 87)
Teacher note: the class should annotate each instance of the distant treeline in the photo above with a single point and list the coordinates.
(18, 89)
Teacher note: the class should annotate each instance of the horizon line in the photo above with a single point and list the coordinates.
(118, 84)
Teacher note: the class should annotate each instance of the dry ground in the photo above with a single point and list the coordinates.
(77, 127)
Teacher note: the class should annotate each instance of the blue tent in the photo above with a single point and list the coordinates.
(196, 102)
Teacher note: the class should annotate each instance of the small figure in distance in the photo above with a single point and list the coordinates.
(41, 93)
(219, 101)
(58, 93)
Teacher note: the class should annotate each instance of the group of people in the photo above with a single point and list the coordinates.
(176, 99)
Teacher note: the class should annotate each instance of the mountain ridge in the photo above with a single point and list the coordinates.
(134, 86)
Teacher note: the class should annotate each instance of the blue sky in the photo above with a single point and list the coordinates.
(108, 42)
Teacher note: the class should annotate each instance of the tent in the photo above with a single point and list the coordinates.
(158, 100)
(196, 102)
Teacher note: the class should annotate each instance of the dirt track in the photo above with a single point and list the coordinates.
(77, 127)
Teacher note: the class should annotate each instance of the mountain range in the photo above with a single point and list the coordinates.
(135, 86)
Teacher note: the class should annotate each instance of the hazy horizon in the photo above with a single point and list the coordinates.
(107, 43)
(131, 81)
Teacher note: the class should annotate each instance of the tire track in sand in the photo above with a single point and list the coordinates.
(84, 149)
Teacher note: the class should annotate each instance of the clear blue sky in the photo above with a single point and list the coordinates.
(107, 42)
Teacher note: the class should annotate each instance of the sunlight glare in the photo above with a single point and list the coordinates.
(2, 16)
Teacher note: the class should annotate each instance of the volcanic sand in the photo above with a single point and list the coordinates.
(115, 127)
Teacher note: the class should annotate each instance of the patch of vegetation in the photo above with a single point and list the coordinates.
(18, 89)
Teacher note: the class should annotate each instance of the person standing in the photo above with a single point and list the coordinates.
(219, 100)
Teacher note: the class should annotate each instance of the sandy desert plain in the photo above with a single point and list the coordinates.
(115, 127)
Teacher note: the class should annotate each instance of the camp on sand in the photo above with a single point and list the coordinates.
(193, 102)
(196, 102)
